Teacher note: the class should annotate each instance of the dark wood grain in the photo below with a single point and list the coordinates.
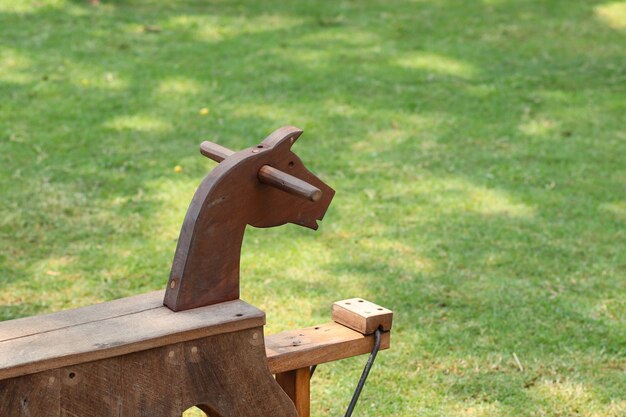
(205, 269)
(288, 183)
(267, 174)
(36, 395)
(224, 374)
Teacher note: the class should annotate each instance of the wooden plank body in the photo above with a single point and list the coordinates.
(225, 375)
(135, 357)
(111, 329)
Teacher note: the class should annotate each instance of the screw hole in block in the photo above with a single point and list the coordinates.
(72, 375)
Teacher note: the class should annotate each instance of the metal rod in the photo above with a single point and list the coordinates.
(366, 371)
(267, 175)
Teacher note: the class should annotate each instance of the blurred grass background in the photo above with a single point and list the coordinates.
(478, 150)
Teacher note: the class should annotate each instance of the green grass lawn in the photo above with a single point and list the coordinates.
(478, 151)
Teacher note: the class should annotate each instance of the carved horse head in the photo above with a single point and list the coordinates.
(263, 186)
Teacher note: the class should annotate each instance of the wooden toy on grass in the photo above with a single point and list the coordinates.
(196, 343)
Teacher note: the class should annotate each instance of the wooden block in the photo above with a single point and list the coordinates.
(361, 315)
(295, 349)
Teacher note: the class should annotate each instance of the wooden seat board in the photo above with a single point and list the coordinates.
(296, 349)
(26, 326)
(72, 337)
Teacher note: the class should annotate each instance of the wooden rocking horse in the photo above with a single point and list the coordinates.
(197, 343)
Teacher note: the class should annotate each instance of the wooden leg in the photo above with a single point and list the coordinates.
(296, 385)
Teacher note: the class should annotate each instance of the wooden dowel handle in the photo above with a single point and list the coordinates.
(283, 181)
(267, 174)
(214, 151)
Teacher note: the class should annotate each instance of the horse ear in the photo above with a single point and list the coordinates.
(285, 136)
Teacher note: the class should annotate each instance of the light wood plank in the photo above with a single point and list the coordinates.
(296, 349)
